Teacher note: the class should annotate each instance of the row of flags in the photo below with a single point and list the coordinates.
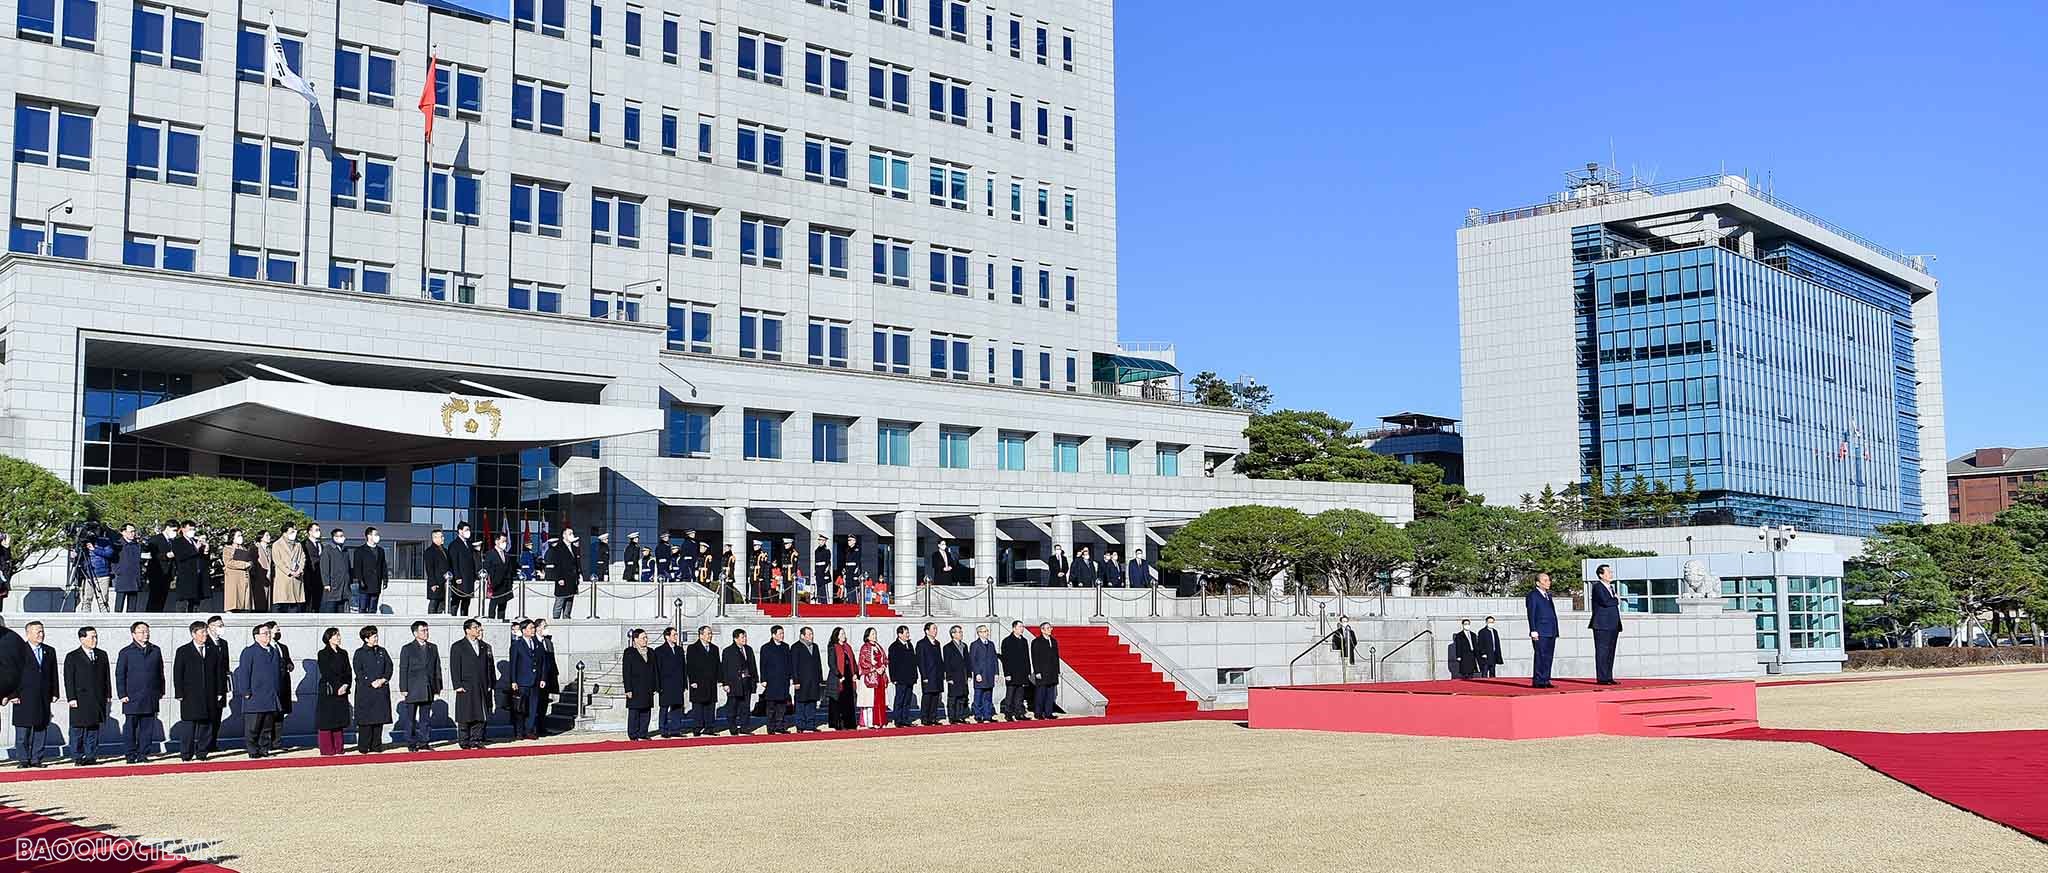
(282, 73)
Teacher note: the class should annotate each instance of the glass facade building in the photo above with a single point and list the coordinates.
(1779, 388)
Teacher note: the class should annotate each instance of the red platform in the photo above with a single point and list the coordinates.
(1508, 709)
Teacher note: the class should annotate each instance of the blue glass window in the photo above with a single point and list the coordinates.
(689, 432)
(892, 445)
(762, 435)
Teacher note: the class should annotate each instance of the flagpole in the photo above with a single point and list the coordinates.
(264, 158)
(427, 169)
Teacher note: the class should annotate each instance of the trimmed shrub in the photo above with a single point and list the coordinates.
(1927, 657)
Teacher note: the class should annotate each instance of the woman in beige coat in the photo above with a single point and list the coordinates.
(235, 562)
(287, 572)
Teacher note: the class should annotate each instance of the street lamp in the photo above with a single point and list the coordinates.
(1775, 540)
(50, 226)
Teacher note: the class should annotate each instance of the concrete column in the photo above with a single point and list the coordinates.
(1134, 539)
(1063, 532)
(735, 531)
(987, 548)
(905, 570)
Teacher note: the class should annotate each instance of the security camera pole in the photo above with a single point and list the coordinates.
(50, 226)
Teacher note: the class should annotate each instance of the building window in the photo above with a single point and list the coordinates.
(949, 357)
(282, 162)
(538, 106)
(596, 126)
(1016, 37)
(705, 125)
(552, 20)
(1067, 52)
(825, 71)
(362, 182)
(615, 220)
(596, 26)
(948, 186)
(1045, 371)
(761, 241)
(1044, 288)
(1168, 460)
(1072, 369)
(249, 262)
(163, 151)
(889, 86)
(1016, 200)
(761, 335)
(1072, 291)
(1017, 284)
(633, 34)
(1066, 131)
(892, 262)
(760, 148)
(70, 23)
(631, 130)
(948, 100)
(455, 195)
(1041, 45)
(252, 52)
(58, 240)
(762, 436)
(1068, 211)
(1066, 454)
(533, 297)
(1044, 207)
(689, 230)
(889, 174)
(828, 439)
(892, 350)
(1016, 117)
(828, 343)
(1044, 124)
(760, 57)
(1116, 458)
(1010, 450)
(349, 275)
(38, 125)
(689, 328)
(113, 456)
(828, 251)
(671, 40)
(458, 91)
(161, 252)
(949, 271)
(671, 132)
(537, 207)
(437, 284)
(1017, 368)
(1813, 612)
(689, 432)
(158, 27)
(825, 161)
(892, 444)
(706, 40)
(953, 447)
(896, 12)
(615, 306)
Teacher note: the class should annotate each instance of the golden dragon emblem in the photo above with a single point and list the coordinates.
(470, 411)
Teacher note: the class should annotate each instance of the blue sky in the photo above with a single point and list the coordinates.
(1291, 181)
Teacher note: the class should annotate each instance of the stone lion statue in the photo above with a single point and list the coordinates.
(1698, 584)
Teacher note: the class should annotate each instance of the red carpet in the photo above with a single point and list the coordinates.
(2000, 775)
(1507, 687)
(779, 609)
(1130, 684)
(520, 750)
(29, 841)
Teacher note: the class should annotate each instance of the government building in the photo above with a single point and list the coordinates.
(1708, 337)
(763, 270)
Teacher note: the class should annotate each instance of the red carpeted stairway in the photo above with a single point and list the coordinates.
(1132, 685)
(780, 609)
(1673, 715)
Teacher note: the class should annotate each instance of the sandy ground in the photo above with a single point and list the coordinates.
(1958, 700)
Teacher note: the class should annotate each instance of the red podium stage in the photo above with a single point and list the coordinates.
(1508, 709)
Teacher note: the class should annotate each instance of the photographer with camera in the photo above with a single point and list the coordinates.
(92, 567)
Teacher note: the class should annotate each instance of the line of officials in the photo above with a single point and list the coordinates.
(784, 679)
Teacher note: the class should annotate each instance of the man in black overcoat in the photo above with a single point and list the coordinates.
(1016, 659)
(473, 672)
(701, 667)
(739, 671)
(807, 668)
(776, 671)
(672, 681)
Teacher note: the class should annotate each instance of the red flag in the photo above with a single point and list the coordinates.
(427, 95)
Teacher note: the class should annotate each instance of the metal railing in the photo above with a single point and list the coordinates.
(1634, 190)
(1425, 632)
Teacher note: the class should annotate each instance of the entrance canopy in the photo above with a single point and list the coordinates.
(314, 423)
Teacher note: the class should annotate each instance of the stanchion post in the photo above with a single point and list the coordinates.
(796, 604)
(679, 610)
(862, 596)
(927, 598)
(661, 598)
(593, 598)
(718, 594)
(1098, 598)
(991, 598)
(1155, 601)
(522, 598)
(1204, 589)
(582, 690)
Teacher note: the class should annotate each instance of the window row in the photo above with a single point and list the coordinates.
(949, 19)
(828, 344)
(689, 435)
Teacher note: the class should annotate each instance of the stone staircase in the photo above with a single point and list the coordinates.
(1130, 684)
(1674, 715)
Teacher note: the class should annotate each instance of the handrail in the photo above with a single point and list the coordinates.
(1425, 632)
(1312, 648)
(1166, 665)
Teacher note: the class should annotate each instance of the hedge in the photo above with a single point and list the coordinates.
(1944, 656)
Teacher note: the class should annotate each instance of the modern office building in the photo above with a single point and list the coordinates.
(1700, 331)
(1793, 599)
(1983, 483)
(764, 270)
(1419, 438)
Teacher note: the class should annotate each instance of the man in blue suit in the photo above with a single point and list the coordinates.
(1542, 630)
(526, 679)
(1606, 624)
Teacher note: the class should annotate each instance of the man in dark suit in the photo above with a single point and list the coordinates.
(850, 561)
(35, 694)
(1081, 574)
(189, 554)
(434, 558)
(1489, 649)
(524, 681)
(371, 571)
(776, 671)
(939, 569)
(1465, 650)
(128, 569)
(197, 673)
(672, 680)
(739, 671)
(139, 683)
(1111, 571)
(462, 571)
(1016, 658)
(217, 642)
(807, 670)
(701, 666)
(1542, 630)
(903, 675)
(1045, 672)
(1140, 570)
(163, 566)
(563, 566)
(419, 682)
(498, 568)
(89, 679)
(315, 579)
(1345, 640)
(982, 664)
(1606, 624)
(337, 572)
(821, 571)
(931, 671)
(637, 679)
(953, 662)
(258, 689)
(473, 673)
(1056, 568)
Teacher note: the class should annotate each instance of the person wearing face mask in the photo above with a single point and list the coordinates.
(1489, 649)
(1465, 650)
(564, 567)
(1542, 630)
(1345, 640)
(371, 572)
